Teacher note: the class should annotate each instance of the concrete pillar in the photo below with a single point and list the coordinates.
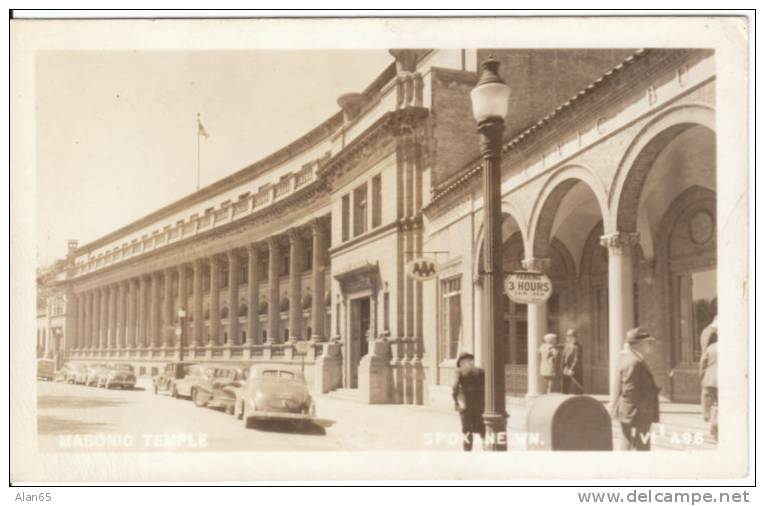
(182, 298)
(121, 314)
(155, 332)
(317, 279)
(621, 315)
(93, 319)
(167, 309)
(103, 320)
(132, 314)
(233, 297)
(197, 302)
(296, 271)
(112, 312)
(537, 328)
(142, 305)
(273, 290)
(82, 320)
(252, 294)
(214, 301)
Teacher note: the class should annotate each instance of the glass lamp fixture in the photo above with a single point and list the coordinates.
(491, 96)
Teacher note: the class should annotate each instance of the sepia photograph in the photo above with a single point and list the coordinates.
(245, 246)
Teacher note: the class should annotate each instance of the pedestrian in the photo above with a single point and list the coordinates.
(571, 362)
(708, 374)
(636, 405)
(706, 333)
(468, 394)
(549, 360)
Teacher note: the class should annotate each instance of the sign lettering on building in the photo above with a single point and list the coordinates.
(422, 269)
(525, 287)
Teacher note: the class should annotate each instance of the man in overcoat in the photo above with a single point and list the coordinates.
(636, 405)
(468, 394)
(571, 362)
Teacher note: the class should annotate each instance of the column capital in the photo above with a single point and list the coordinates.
(536, 264)
(620, 243)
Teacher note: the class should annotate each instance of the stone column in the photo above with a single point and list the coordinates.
(132, 316)
(121, 314)
(214, 301)
(621, 315)
(103, 320)
(155, 334)
(252, 294)
(167, 313)
(198, 308)
(112, 311)
(317, 273)
(233, 297)
(82, 321)
(182, 299)
(537, 328)
(296, 274)
(273, 290)
(143, 296)
(95, 312)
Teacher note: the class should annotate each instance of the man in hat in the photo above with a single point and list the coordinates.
(571, 361)
(468, 394)
(708, 373)
(636, 405)
(549, 360)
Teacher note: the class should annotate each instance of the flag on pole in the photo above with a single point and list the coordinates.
(201, 129)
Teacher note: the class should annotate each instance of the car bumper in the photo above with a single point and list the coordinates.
(121, 382)
(279, 415)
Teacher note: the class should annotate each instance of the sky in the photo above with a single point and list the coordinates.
(117, 134)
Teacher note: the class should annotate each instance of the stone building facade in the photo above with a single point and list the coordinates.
(611, 192)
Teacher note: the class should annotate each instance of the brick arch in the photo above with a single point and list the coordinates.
(508, 211)
(547, 203)
(635, 165)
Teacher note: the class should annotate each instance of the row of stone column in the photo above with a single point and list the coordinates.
(140, 311)
(621, 316)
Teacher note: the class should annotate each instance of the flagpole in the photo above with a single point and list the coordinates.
(198, 135)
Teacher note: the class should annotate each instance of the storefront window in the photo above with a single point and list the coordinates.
(452, 317)
(704, 296)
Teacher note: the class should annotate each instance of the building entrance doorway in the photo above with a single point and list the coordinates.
(359, 335)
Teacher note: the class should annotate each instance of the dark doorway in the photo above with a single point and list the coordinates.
(360, 317)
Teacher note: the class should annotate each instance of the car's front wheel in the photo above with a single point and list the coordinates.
(196, 398)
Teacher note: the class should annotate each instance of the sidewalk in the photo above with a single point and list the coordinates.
(395, 427)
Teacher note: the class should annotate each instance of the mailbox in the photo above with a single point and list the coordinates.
(568, 422)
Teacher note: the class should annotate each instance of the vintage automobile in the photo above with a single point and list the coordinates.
(46, 369)
(70, 372)
(217, 388)
(116, 375)
(275, 392)
(166, 382)
(93, 373)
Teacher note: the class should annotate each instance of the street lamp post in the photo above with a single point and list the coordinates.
(490, 99)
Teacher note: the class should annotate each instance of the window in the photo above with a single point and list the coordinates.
(451, 317)
(704, 297)
(516, 332)
(243, 273)
(223, 283)
(376, 201)
(360, 210)
(285, 265)
(264, 335)
(286, 334)
(346, 216)
(263, 268)
(308, 260)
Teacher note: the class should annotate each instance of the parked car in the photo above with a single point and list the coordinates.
(46, 369)
(218, 387)
(70, 371)
(197, 374)
(94, 370)
(174, 372)
(81, 372)
(275, 392)
(116, 375)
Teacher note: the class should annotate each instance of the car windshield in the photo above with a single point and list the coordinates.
(273, 373)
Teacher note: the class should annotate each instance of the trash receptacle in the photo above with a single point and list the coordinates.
(568, 422)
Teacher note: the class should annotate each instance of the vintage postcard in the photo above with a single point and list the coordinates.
(329, 249)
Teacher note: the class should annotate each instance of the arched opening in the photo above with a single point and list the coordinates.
(669, 198)
(567, 232)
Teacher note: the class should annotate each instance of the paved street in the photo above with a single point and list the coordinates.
(77, 418)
